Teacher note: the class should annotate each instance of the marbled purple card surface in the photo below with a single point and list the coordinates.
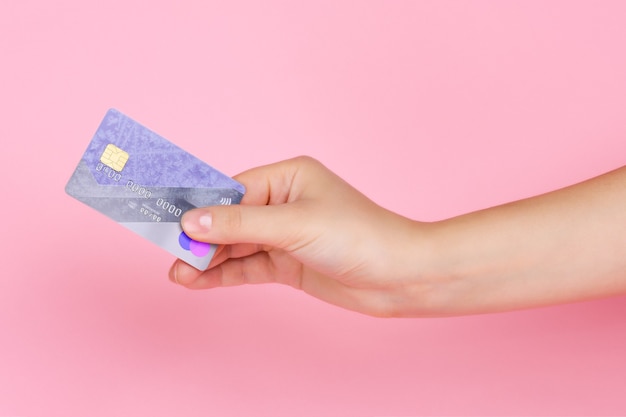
(145, 183)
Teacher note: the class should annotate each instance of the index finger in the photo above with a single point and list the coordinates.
(273, 183)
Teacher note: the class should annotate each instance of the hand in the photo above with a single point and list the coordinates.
(301, 225)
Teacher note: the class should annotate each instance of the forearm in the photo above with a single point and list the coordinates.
(567, 245)
(301, 225)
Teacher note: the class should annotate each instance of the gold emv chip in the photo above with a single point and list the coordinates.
(114, 157)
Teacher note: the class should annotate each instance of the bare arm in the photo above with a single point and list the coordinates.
(301, 225)
(562, 246)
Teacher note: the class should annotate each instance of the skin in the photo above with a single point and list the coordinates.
(301, 225)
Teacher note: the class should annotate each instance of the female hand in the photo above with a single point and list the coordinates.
(301, 225)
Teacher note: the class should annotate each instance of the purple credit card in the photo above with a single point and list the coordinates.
(145, 183)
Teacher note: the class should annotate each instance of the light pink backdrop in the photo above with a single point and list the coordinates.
(432, 108)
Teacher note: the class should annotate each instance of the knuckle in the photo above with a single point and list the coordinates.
(306, 161)
(233, 218)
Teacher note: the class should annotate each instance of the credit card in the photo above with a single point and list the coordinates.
(145, 183)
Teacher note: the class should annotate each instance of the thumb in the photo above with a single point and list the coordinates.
(274, 225)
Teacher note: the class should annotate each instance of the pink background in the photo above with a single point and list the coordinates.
(431, 108)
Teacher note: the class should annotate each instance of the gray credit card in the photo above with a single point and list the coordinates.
(145, 183)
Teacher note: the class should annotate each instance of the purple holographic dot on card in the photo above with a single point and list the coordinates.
(199, 249)
(184, 241)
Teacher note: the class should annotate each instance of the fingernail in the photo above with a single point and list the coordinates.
(173, 274)
(197, 222)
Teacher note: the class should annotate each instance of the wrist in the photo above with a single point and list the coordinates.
(451, 270)
(421, 271)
